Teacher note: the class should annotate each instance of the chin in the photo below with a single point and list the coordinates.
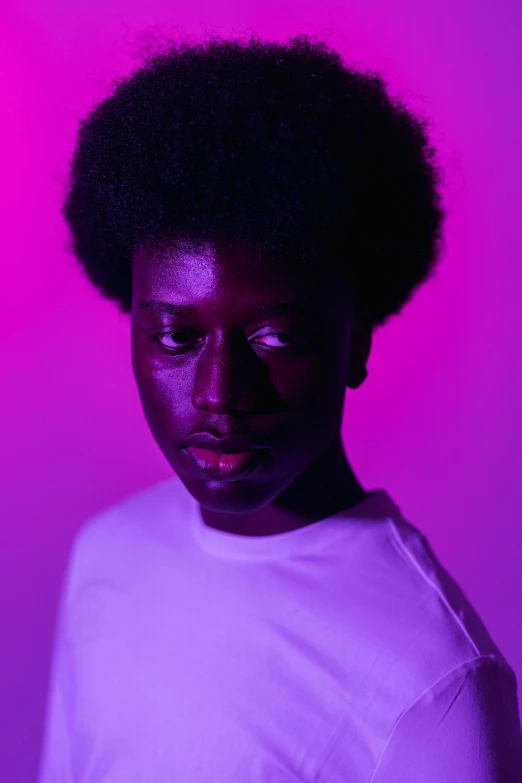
(229, 497)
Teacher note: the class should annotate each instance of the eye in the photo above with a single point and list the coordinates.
(279, 339)
(285, 341)
(181, 339)
(184, 340)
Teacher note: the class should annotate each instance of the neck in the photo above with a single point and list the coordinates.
(325, 488)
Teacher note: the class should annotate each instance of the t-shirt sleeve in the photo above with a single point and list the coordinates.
(55, 755)
(464, 729)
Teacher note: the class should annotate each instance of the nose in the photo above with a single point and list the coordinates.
(228, 377)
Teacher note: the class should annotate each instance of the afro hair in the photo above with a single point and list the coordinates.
(276, 144)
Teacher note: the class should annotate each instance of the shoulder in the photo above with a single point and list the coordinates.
(429, 625)
(440, 593)
(120, 532)
(465, 726)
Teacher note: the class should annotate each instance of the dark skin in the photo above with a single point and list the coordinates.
(222, 365)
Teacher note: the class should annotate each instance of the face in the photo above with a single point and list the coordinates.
(241, 366)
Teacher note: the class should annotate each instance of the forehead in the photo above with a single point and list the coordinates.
(231, 273)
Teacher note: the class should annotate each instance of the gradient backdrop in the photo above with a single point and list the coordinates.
(438, 423)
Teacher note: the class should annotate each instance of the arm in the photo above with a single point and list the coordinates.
(464, 729)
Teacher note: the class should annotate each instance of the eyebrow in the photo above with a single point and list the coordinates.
(158, 305)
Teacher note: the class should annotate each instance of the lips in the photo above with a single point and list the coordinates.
(222, 444)
(224, 457)
(235, 465)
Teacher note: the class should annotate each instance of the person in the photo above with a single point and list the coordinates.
(259, 209)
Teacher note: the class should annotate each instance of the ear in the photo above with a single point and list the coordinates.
(360, 347)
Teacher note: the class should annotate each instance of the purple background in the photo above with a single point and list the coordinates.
(437, 423)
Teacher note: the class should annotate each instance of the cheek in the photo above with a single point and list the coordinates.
(166, 404)
(318, 380)
(162, 390)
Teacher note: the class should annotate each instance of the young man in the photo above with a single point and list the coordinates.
(259, 209)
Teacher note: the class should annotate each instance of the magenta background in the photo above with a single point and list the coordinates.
(438, 422)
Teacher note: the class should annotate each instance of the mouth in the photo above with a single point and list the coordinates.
(234, 465)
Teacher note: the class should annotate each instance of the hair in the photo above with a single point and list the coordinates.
(275, 144)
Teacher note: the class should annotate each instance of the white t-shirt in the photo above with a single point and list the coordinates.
(340, 652)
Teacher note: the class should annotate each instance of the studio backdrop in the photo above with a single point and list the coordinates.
(438, 421)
